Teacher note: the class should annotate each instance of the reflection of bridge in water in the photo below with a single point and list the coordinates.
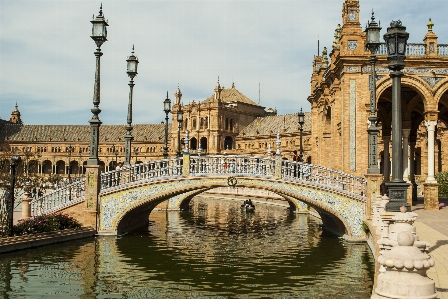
(122, 200)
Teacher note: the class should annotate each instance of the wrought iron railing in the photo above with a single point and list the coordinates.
(59, 198)
(141, 172)
(232, 165)
(324, 177)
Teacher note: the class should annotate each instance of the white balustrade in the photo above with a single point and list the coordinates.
(216, 165)
(146, 171)
(324, 177)
(59, 198)
(442, 50)
(231, 165)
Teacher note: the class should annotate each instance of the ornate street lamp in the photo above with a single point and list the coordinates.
(99, 35)
(132, 72)
(373, 43)
(180, 114)
(301, 117)
(70, 150)
(14, 161)
(167, 109)
(396, 39)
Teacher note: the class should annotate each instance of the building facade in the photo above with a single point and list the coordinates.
(340, 103)
(226, 122)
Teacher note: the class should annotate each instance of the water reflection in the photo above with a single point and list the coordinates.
(214, 251)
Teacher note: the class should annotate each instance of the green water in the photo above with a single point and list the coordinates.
(213, 251)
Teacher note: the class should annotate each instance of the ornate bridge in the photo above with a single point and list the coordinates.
(121, 200)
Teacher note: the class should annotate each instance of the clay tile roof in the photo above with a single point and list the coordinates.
(287, 123)
(68, 133)
(232, 95)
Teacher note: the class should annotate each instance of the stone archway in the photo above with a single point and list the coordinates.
(120, 209)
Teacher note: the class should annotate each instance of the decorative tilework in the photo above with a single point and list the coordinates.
(352, 125)
(432, 81)
(352, 69)
(114, 205)
(352, 45)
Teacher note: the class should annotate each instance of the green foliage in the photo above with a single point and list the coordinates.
(44, 223)
(442, 180)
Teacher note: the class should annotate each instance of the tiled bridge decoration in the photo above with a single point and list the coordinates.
(128, 195)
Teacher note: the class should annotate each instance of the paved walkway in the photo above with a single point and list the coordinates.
(432, 226)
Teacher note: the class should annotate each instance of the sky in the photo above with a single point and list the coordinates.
(264, 47)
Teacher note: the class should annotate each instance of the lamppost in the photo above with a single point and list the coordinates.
(99, 35)
(373, 43)
(69, 151)
(396, 39)
(301, 117)
(180, 114)
(132, 72)
(14, 161)
(167, 109)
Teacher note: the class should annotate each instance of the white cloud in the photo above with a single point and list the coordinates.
(47, 63)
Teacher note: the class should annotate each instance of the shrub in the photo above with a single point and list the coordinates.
(442, 180)
(45, 223)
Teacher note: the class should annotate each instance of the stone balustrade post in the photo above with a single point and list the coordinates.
(373, 189)
(90, 211)
(26, 206)
(405, 271)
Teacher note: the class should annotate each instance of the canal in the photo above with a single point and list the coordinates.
(215, 250)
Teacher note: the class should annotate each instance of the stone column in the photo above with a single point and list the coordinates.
(406, 133)
(412, 170)
(430, 127)
(431, 188)
(386, 163)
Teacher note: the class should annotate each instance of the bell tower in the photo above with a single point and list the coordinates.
(15, 116)
(350, 13)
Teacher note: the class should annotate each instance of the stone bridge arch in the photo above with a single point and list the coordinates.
(129, 207)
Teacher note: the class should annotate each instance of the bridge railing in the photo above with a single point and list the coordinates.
(232, 165)
(141, 172)
(324, 177)
(59, 198)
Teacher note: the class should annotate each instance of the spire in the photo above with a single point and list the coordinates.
(15, 116)
(218, 90)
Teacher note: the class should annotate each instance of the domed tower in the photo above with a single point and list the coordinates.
(15, 116)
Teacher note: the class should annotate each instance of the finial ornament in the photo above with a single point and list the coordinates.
(430, 25)
(324, 58)
(396, 24)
